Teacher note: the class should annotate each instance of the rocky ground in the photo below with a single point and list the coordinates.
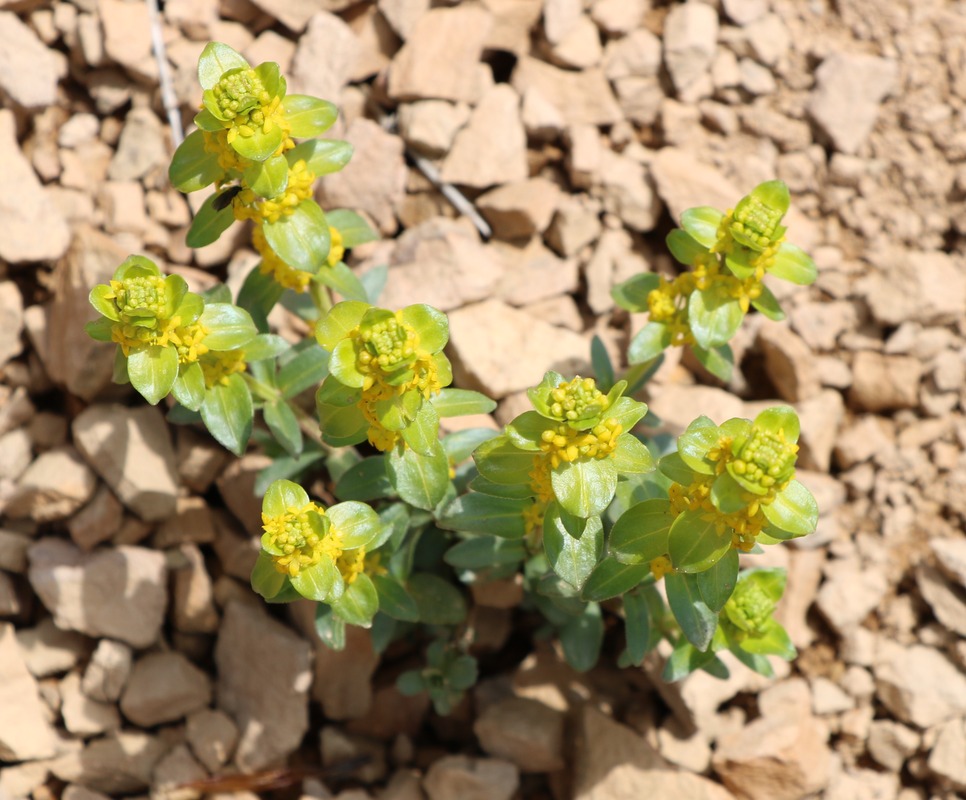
(133, 655)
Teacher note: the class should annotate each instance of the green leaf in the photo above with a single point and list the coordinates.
(136, 266)
(308, 116)
(343, 280)
(431, 325)
(684, 660)
(284, 426)
(101, 330)
(321, 156)
(341, 320)
(227, 413)
(600, 361)
(321, 582)
(265, 346)
(207, 121)
(438, 601)
(694, 543)
(584, 487)
(714, 315)
(768, 305)
(260, 145)
(215, 60)
(684, 247)
(481, 513)
(719, 361)
(281, 496)
(717, 583)
(693, 445)
(258, 295)
(365, 481)
(420, 480)
(793, 264)
(632, 293)
(697, 621)
(192, 167)
(359, 602)
(153, 371)
(352, 227)
(631, 457)
(773, 640)
(781, 421)
(501, 462)
(189, 388)
(266, 580)
(331, 629)
(641, 533)
(306, 369)
(460, 445)
(611, 578)
(727, 495)
(637, 627)
(793, 510)
(229, 327)
(582, 637)
(356, 523)
(649, 342)
(394, 600)
(483, 552)
(461, 402)
(301, 239)
(572, 559)
(422, 434)
(268, 178)
(209, 223)
(702, 224)
(674, 467)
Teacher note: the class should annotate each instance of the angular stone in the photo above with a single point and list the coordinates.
(580, 48)
(98, 521)
(465, 778)
(581, 98)
(48, 650)
(29, 71)
(629, 192)
(946, 602)
(918, 684)
(951, 555)
(520, 209)
(212, 736)
(512, 22)
(789, 363)
(326, 54)
(500, 350)
(127, 36)
(15, 454)
(523, 731)
(850, 593)
(120, 763)
(53, 487)
(343, 678)
(177, 768)
(194, 608)
(141, 148)
(108, 670)
(441, 56)
(534, 273)
(402, 15)
(11, 321)
(267, 697)
(619, 17)
(83, 716)
(430, 125)
(896, 294)
(164, 687)
(848, 90)
(116, 593)
(131, 450)
(375, 180)
(883, 383)
(690, 36)
(25, 206)
(890, 743)
(575, 225)
(25, 733)
(492, 147)
(678, 405)
(946, 759)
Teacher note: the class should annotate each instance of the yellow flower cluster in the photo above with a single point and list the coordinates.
(577, 399)
(135, 336)
(301, 546)
(763, 259)
(218, 367)
(562, 443)
(235, 94)
(425, 380)
(248, 205)
(189, 339)
(217, 142)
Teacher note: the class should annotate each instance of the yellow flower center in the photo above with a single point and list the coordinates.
(300, 544)
(219, 367)
(562, 443)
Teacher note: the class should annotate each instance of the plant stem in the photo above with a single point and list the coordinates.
(320, 296)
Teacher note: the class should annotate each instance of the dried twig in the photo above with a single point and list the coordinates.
(168, 97)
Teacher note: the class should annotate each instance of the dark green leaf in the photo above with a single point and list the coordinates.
(649, 342)
(719, 362)
(366, 480)
(637, 627)
(331, 629)
(394, 600)
(461, 402)
(358, 603)
(344, 281)
(611, 578)
(582, 638)
(717, 583)
(481, 513)
(301, 239)
(584, 487)
(209, 223)
(697, 621)
(192, 167)
(227, 413)
(438, 601)
(306, 369)
(420, 480)
(632, 293)
(482, 552)
(284, 426)
(570, 558)
(694, 542)
(641, 533)
(189, 388)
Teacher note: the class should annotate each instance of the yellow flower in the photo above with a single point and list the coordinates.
(295, 543)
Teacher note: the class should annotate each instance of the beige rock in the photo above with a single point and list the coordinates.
(20, 780)
(13, 551)
(212, 736)
(520, 209)
(512, 22)
(440, 57)
(678, 405)
(581, 98)
(755, 79)
(267, 697)
(441, 263)
(164, 687)
(343, 677)
(560, 17)
(83, 716)
(430, 125)
(127, 36)
(533, 273)
(29, 71)
(775, 759)
(821, 417)
(131, 450)
(11, 321)
(951, 556)
(741, 12)
(619, 17)
(193, 602)
(614, 762)
(946, 601)
(891, 743)
(542, 120)
(862, 784)
(402, 15)
(789, 363)
(867, 437)
(848, 90)
(142, 147)
(895, 293)
(946, 757)
(47, 650)
(294, 14)
(10, 603)
(828, 698)
(96, 522)
(637, 55)
(325, 57)
(108, 671)
(918, 684)
(692, 752)
(191, 522)
(117, 593)
(466, 778)
(199, 459)
(53, 487)
(850, 593)
(25, 733)
(524, 732)
(580, 47)
(585, 151)
(15, 454)
(820, 324)
(575, 225)
(25, 206)
(237, 487)
(628, 191)
(374, 181)
(120, 763)
(271, 46)
(177, 768)
(492, 147)
(690, 34)
(501, 350)
(882, 382)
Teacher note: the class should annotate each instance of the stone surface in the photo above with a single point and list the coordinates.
(11, 321)
(951, 556)
(581, 98)
(53, 487)
(946, 757)
(891, 743)
(48, 650)
(430, 125)
(946, 601)
(492, 147)
(325, 57)
(628, 192)
(264, 673)
(142, 147)
(107, 671)
(918, 684)
(29, 71)
(520, 209)
(500, 350)
(82, 715)
(883, 382)
(524, 732)
(117, 593)
(343, 678)
(164, 687)
(848, 90)
(212, 736)
(25, 733)
(130, 448)
(690, 33)
(468, 778)
(895, 293)
(25, 205)
(850, 593)
(127, 36)
(120, 763)
(534, 273)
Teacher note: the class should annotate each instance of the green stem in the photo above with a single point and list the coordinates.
(320, 297)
